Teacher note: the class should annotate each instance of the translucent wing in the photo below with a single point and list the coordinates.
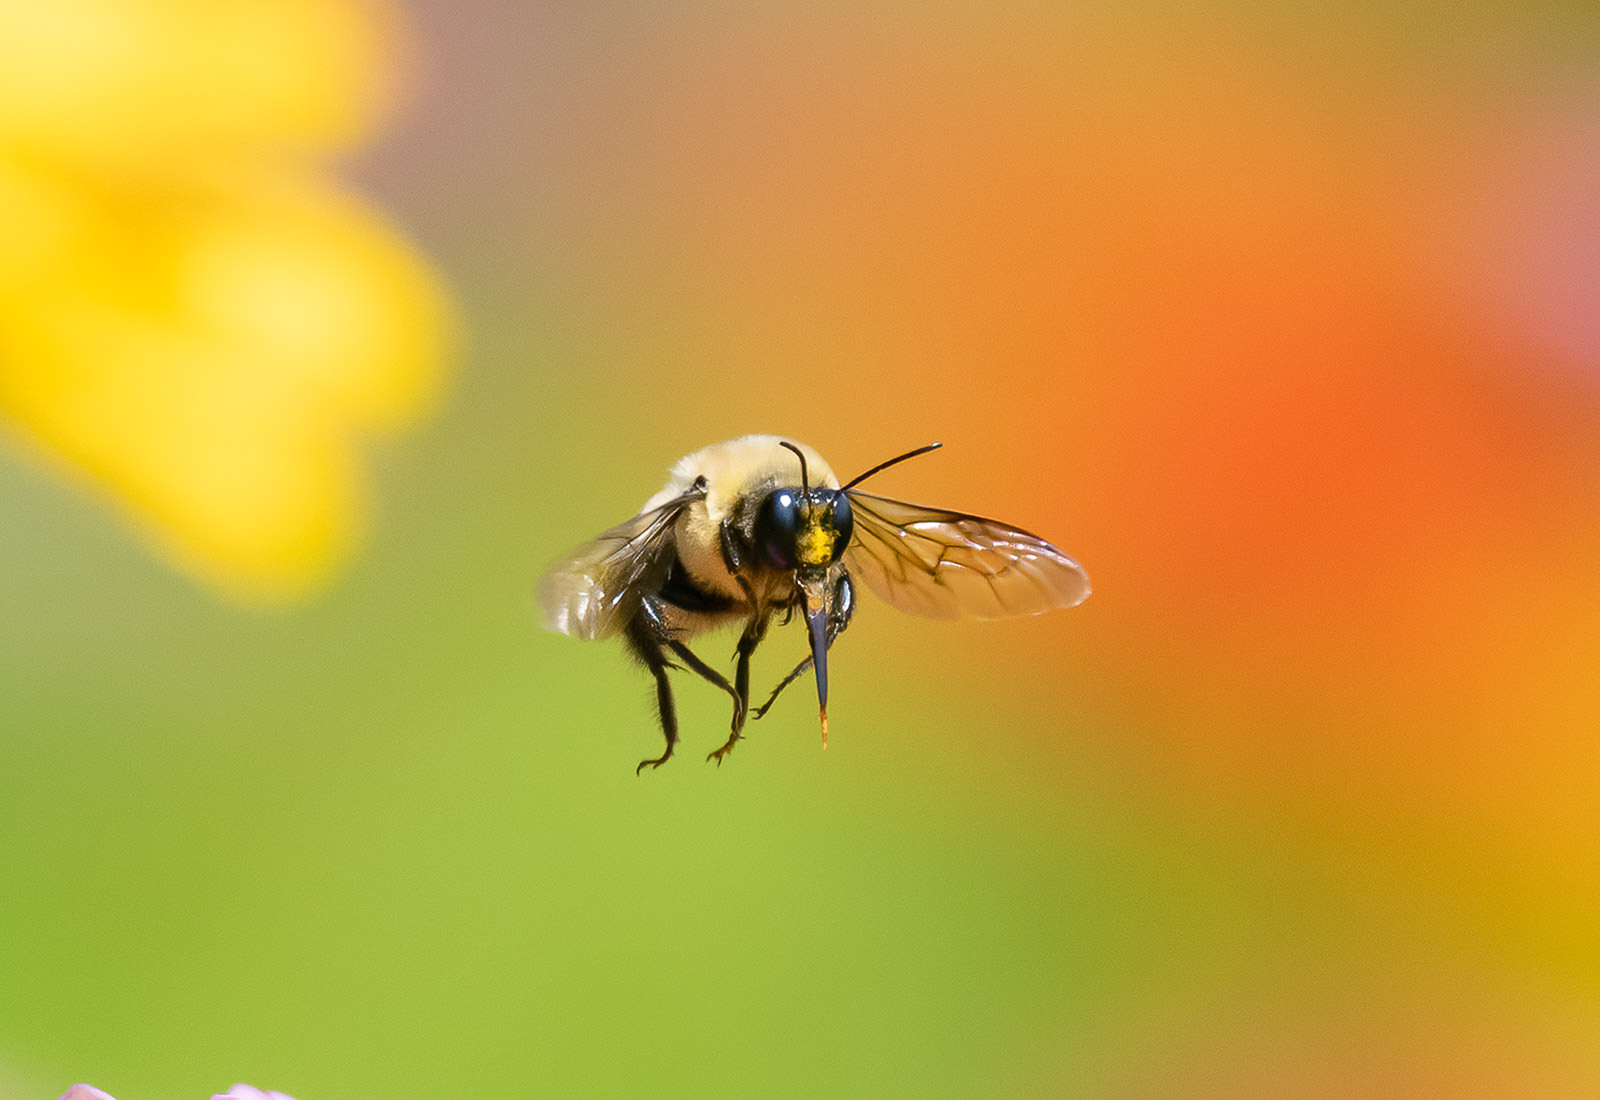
(593, 591)
(944, 565)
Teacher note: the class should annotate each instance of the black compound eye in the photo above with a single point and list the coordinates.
(777, 525)
(844, 522)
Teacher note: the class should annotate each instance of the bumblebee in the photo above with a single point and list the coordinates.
(760, 526)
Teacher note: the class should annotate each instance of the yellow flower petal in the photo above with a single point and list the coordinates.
(215, 355)
(128, 81)
(188, 314)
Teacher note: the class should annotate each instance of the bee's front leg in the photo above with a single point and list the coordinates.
(844, 605)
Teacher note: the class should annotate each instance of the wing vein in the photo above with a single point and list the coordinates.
(946, 564)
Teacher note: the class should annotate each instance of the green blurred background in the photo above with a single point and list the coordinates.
(1285, 324)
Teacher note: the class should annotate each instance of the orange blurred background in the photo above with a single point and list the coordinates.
(1259, 314)
(1285, 322)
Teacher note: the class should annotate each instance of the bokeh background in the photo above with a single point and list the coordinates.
(1284, 319)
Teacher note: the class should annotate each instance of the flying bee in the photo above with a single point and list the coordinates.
(758, 526)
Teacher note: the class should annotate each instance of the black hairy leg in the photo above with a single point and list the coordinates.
(649, 639)
(844, 601)
(741, 702)
(754, 631)
(643, 644)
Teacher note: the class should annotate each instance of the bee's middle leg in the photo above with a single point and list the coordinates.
(754, 631)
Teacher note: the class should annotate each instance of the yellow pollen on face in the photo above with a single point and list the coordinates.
(815, 545)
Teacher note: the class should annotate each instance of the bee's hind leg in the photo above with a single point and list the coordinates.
(648, 632)
(646, 646)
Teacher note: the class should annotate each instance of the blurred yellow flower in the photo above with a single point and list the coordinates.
(191, 313)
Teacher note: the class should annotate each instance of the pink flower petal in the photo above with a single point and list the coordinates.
(245, 1092)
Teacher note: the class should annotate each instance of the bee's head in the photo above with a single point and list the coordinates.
(803, 529)
(798, 529)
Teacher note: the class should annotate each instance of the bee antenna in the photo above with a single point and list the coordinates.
(805, 484)
(882, 466)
